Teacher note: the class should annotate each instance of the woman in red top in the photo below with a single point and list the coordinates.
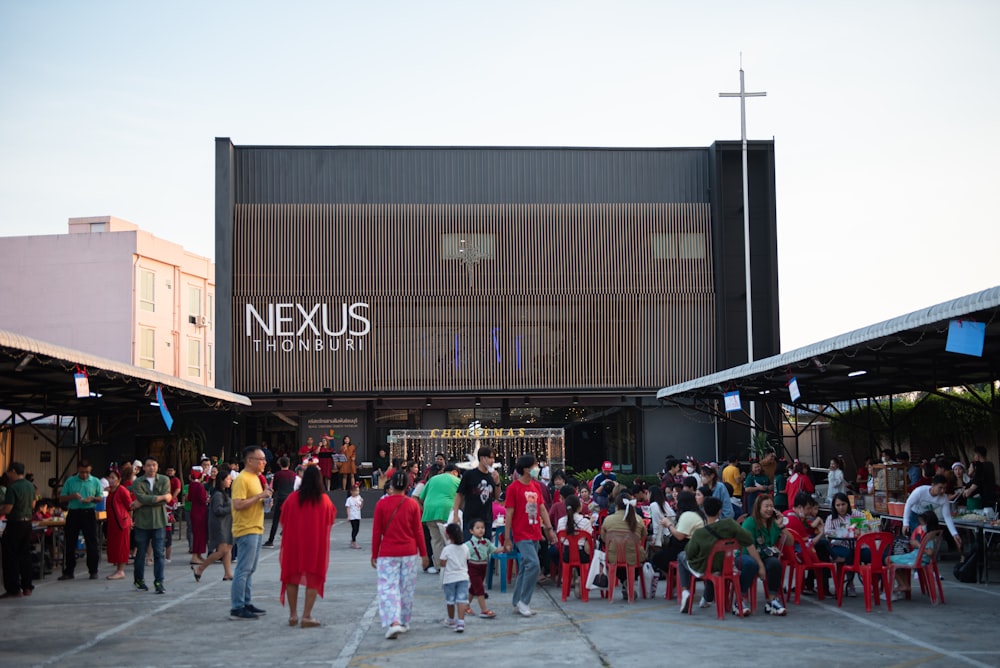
(307, 516)
(119, 507)
(397, 547)
(325, 463)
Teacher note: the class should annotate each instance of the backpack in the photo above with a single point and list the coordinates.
(967, 570)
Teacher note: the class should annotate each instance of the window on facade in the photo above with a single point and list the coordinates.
(469, 248)
(147, 348)
(209, 361)
(194, 357)
(97, 227)
(210, 310)
(147, 290)
(679, 246)
(194, 301)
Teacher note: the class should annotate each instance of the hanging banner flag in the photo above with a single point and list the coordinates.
(966, 337)
(733, 401)
(82, 383)
(167, 418)
(793, 388)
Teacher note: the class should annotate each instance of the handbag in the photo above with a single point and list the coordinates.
(597, 577)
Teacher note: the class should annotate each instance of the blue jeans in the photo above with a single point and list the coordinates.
(241, 595)
(143, 537)
(527, 572)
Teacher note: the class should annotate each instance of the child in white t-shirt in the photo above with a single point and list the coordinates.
(354, 504)
(455, 577)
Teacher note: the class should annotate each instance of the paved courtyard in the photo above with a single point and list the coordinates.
(83, 623)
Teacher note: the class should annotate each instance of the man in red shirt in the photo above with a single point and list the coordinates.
(526, 518)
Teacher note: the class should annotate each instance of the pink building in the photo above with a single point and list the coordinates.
(113, 290)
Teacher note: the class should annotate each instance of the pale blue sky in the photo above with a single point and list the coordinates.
(884, 114)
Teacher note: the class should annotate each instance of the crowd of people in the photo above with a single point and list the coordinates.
(452, 518)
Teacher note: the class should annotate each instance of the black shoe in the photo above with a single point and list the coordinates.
(241, 613)
(255, 610)
(159, 588)
(268, 544)
(66, 576)
(140, 585)
(93, 576)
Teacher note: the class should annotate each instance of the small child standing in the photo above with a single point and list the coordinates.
(354, 504)
(480, 548)
(455, 578)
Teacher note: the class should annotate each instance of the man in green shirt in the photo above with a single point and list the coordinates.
(149, 513)
(82, 492)
(17, 506)
(436, 499)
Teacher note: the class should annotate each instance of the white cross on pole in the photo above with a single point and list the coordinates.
(743, 95)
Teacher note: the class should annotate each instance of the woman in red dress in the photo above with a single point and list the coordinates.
(198, 497)
(325, 463)
(119, 507)
(306, 518)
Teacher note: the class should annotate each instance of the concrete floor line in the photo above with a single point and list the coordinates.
(956, 655)
(115, 630)
(344, 658)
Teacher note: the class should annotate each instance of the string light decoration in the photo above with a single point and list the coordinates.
(458, 445)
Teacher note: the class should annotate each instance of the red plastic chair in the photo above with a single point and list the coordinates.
(874, 575)
(671, 578)
(726, 581)
(928, 574)
(574, 562)
(623, 544)
(805, 559)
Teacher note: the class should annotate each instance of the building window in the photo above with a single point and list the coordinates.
(98, 227)
(210, 310)
(208, 362)
(147, 290)
(147, 348)
(194, 358)
(679, 246)
(194, 305)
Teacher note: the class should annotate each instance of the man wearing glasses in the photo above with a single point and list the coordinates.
(478, 488)
(248, 496)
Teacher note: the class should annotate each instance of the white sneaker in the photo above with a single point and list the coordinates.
(450, 623)
(524, 610)
(736, 609)
(851, 591)
(685, 601)
(403, 628)
(898, 596)
(431, 570)
(703, 603)
(393, 631)
(775, 608)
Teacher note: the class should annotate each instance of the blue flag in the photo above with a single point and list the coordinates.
(164, 411)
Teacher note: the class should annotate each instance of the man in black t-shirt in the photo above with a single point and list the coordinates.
(477, 490)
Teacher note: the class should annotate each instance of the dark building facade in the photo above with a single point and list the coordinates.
(365, 289)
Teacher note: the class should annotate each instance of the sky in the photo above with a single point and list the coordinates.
(884, 114)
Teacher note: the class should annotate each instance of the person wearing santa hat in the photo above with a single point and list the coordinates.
(607, 473)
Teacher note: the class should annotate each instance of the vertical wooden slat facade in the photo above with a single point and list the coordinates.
(571, 295)
(572, 298)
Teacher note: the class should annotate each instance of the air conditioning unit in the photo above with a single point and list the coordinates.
(202, 321)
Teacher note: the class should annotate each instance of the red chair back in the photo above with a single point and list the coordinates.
(879, 543)
(727, 547)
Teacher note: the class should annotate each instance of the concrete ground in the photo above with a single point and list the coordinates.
(83, 623)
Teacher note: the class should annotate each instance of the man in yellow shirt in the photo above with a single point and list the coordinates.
(248, 496)
(732, 475)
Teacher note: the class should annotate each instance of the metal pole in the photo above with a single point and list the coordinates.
(743, 95)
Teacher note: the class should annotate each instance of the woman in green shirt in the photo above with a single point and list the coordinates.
(765, 524)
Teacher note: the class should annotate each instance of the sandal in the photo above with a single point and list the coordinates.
(293, 621)
(116, 576)
(487, 614)
(197, 575)
(309, 623)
